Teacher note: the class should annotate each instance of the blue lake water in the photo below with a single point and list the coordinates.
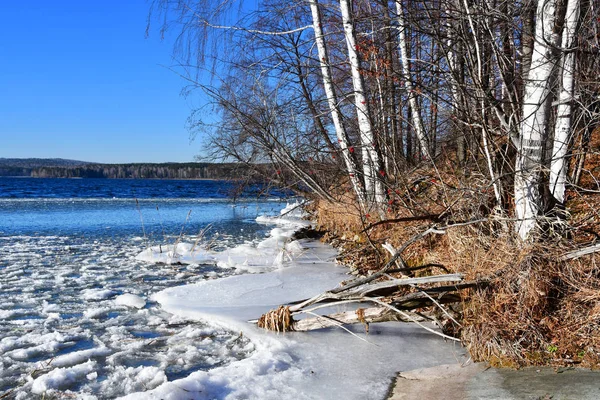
(67, 250)
(112, 207)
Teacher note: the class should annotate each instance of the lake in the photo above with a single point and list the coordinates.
(67, 257)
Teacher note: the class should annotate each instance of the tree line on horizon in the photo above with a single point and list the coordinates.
(125, 171)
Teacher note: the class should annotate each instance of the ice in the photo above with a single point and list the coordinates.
(131, 379)
(9, 343)
(266, 255)
(130, 300)
(29, 352)
(5, 314)
(61, 377)
(61, 311)
(97, 294)
(65, 332)
(78, 357)
(58, 306)
(50, 308)
(185, 253)
(97, 312)
(330, 363)
(317, 365)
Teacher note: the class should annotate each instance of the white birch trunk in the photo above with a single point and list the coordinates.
(537, 94)
(417, 121)
(336, 116)
(562, 131)
(452, 66)
(371, 161)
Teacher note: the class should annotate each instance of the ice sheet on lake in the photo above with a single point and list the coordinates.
(317, 365)
(64, 333)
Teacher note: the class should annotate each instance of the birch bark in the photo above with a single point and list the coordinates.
(332, 101)
(562, 132)
(417, 121)
(536, 98)
(371, 160)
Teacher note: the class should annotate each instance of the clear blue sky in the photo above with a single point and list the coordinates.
(79, 80)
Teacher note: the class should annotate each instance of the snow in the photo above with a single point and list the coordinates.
(264, 256)
(130, 300)
(105, 336)
(61, 377)
(324, 364)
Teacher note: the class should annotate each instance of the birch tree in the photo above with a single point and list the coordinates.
(332, 101)
(371, 161)
(563, 128)
(536, 102)
(417, 120)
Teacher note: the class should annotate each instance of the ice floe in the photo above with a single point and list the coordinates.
(130, 300)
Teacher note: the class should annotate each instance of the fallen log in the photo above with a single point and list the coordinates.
(359, 316)
(372, 314)
(372, 289)
(282, 320)
(381, 288)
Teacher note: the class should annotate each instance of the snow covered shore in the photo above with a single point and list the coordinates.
(326, 364)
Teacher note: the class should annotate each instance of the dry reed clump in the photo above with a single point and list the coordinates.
(278, 320)
(343, 224)
(536, 310)
(340, 218)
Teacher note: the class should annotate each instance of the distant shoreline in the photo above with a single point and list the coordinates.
(59, 168)
(120, 179)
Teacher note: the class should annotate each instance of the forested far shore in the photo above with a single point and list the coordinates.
(126, 171)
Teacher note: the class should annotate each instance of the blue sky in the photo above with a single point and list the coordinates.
(79, 80)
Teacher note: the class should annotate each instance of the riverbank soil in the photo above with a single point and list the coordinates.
(534, 304)
(478, 381)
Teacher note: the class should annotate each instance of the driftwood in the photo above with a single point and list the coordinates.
(360, 316)
(332, 294)
(396, 309)
(581, 252)
(371, 290)
(373, 314)
(375, 289)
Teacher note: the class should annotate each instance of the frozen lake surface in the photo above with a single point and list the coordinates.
(67, 262)
(96, 304)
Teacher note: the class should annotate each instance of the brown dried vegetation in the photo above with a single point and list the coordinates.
(536, 309)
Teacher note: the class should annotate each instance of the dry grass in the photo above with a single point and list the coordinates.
(536, 309)
(278, 320)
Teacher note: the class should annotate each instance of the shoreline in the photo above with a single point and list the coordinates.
(324, 362)
(119, 179)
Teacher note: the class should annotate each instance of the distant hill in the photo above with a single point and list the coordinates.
(39, 162)
(60, 168)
